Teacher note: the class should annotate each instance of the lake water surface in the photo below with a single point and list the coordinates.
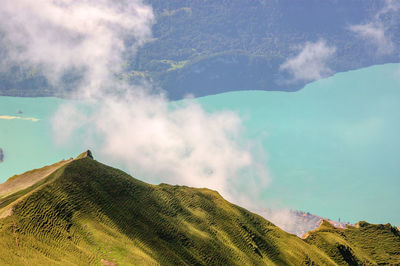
(333, 146)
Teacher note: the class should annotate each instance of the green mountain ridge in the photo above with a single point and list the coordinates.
(82, 212)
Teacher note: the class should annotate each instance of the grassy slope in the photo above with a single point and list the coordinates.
(27, 179)
(18, 187)
(364, 244)
(86, 211)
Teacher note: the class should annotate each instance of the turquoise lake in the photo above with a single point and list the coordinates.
(333, 147)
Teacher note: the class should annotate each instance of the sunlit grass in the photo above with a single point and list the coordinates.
(86, 212)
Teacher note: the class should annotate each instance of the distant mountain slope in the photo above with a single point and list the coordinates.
(25, 180)
(88, 213)
(298, 222)
(362, 244)
(208, 47)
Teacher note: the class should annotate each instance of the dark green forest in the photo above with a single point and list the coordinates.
(207, 47)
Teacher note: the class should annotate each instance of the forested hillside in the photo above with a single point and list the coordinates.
(207, 47)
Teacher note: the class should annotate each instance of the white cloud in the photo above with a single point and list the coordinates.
(389, 6)
(179, 146)
(374, 33)
(129, 125)
(64, 35)
(285, 219)
(310, 63)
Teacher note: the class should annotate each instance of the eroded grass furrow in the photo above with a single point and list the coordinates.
(86, 212)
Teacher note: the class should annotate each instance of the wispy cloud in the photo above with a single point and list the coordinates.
(311, 62)
(8, 117)
(389, 6)
(374, 33)
(70, 35)
(131, 125)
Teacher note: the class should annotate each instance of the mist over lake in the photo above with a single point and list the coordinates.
(332, 147)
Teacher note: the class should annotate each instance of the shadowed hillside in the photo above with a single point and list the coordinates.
(362, 244)
(89, 213)
(208, 47)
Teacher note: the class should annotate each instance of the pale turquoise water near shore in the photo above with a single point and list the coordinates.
(27, 144)
(333, 147)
